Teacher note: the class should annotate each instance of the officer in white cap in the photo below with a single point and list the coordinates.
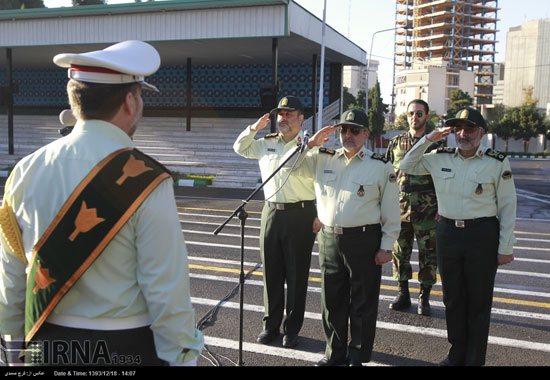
(106, 259)
(476, 200)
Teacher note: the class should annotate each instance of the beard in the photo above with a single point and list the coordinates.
(417, 127)
(283, 127)
(468, 143)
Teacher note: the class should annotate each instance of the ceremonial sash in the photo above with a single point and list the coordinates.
(96, 210)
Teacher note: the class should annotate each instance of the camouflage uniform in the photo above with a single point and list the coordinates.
(418, 205)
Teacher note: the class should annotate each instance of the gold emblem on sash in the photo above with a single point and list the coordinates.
(131, 169)
(42, 278)
(85, 220)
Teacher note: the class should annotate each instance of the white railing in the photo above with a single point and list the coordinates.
(329, 114)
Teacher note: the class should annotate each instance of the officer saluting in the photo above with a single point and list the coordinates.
(476, 200)
(358, 205)
(286, 236)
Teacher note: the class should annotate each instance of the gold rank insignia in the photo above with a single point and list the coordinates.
(361, 191)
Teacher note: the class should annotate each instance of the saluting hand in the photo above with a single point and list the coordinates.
(261, 123)
(321, 136)
(439, 134)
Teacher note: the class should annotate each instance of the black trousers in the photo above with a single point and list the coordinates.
(58, 345)
(350, 292)
(286, 241)
(467, 261)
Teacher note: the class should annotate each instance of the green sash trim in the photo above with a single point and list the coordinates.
(94, 213)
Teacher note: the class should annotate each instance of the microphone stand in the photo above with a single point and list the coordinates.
(242, 215)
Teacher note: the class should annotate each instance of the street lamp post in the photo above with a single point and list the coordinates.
(406, 27)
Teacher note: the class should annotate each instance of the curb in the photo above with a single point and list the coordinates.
(528, 157)
(191, 183)
(179, 183)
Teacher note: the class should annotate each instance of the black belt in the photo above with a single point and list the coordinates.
(413, 188)
(290, 206)
(349, 230)
(466, 222)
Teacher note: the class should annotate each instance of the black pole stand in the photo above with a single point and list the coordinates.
(242, 215)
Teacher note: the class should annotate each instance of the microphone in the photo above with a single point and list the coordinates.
(304, 142)
(67, 119)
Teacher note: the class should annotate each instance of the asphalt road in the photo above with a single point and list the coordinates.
(520, 327)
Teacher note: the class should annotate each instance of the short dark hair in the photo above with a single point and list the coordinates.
(97, 100)
(419, 101)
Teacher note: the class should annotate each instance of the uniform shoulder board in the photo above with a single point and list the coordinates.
(445, 149)
(495, 154)
(378, 156)
(327, 151)
(271, 135)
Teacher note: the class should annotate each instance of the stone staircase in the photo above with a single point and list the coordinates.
(206, 149)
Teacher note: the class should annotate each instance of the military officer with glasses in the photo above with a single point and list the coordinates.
(418, 205)
(286, 235)
(357, 204)
(476, 200)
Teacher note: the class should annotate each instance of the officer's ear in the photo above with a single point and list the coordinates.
(367, 133)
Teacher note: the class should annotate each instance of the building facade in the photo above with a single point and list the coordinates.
(354, 78)
(458, 33)
(528, 63)
(431, 83)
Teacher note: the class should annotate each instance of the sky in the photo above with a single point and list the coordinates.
(358, 20)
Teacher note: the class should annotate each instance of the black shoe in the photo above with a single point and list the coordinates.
(324, 362)
(403, 299)
(267, 336)
(448, 363)
(354, 362)
(424, 300)
(290, 340)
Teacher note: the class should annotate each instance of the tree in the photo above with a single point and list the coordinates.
(504, 127)
(401, 122)
(377, 109)
(457, 101)
(348, 99)
(21, 4)
(530, 123)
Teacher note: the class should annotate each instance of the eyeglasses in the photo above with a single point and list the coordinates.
(353, 129)
(418, 113)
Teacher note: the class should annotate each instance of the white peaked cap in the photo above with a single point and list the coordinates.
(125, 62)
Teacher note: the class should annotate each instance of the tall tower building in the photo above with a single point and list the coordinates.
(459, 34)
(528, 63)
